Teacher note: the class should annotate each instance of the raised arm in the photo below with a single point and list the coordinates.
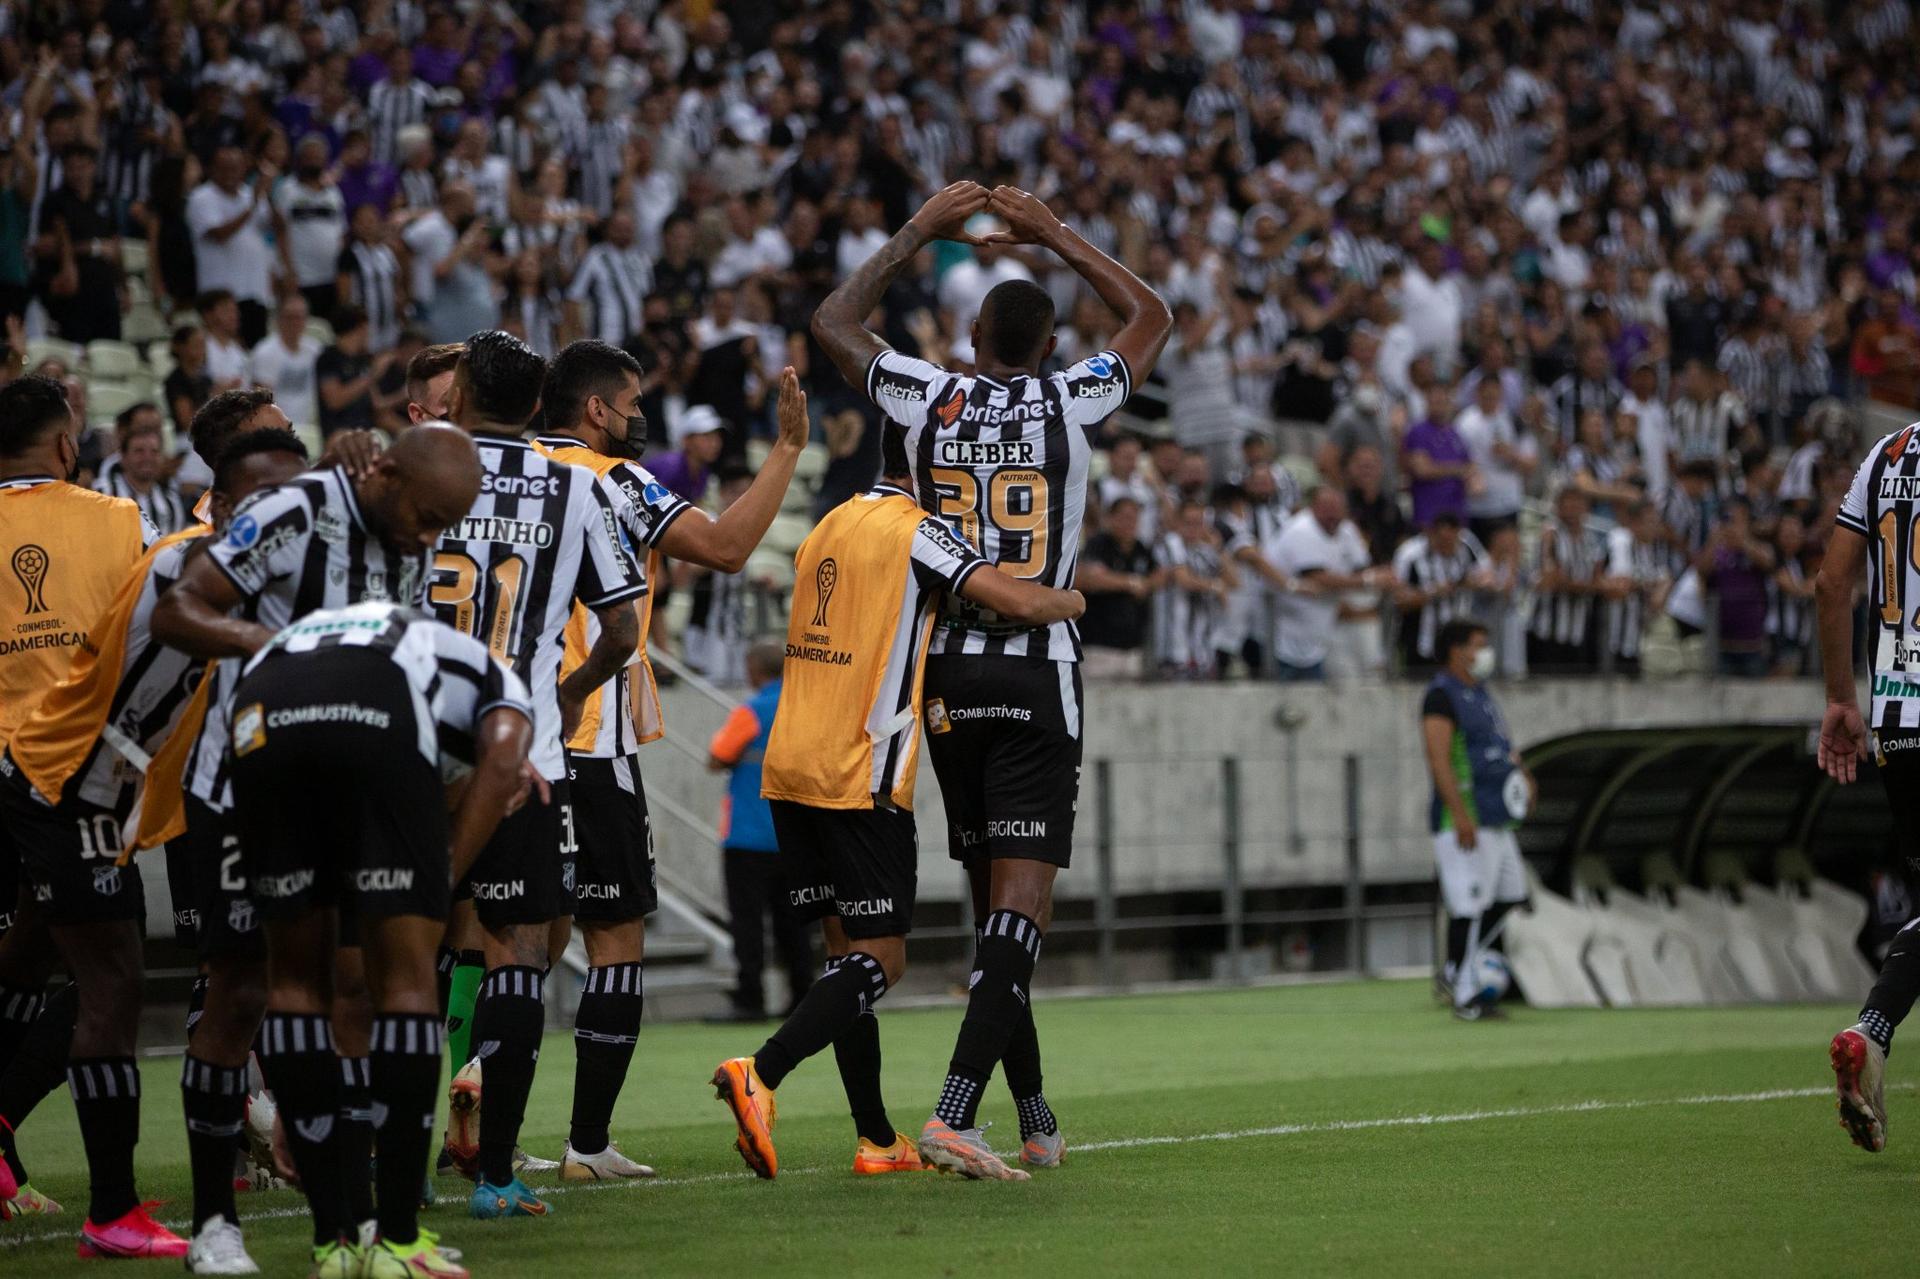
(1145, 319)
(840, 325)
(725, 542)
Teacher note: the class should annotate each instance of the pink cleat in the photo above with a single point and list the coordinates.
(135, 1235)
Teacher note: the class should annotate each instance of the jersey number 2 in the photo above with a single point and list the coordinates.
(1017, 504)
(458, 588)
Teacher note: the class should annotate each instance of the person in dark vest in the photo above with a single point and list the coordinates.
(756, 888)
(1480, 793)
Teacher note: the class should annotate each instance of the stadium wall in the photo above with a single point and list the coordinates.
(1165, 744)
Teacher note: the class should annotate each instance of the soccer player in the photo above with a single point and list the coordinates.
(839, 772)
(84, 756)
(1879, 533)
(67, 551)
(592, 408)
(541, 536)
(1480, 793)
(429, 380)
(1003, 454)
(370, 707)
(325, 540)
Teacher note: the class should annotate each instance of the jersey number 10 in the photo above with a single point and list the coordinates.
(458, 589)
(1017, 505)
(1890, 574)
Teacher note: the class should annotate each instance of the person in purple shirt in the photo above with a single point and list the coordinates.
(697, 433)
(362, 179)
(1437, 462)
(1734, 565)
(437, 58)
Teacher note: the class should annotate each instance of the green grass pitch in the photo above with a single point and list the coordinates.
(1386, 1140)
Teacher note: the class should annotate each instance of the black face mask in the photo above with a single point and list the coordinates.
(635, 444)
(310, 173)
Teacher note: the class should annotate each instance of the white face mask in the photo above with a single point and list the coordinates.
(1483, 664)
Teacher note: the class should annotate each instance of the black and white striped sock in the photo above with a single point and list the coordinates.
(106, 1095)
(1003, 967)
(297, 1057)
(214, 1099)
(406, 1078)
(606, 1030)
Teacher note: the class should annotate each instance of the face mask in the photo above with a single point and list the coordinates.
(1483, 664)
(635, 442)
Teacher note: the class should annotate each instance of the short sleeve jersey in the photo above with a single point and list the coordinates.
(1883, 506)
(1006, 464)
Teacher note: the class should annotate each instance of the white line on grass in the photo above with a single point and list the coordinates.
(1595, 1106)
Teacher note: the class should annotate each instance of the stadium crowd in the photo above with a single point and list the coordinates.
(1546, 313)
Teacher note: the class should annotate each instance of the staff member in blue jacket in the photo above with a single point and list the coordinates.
(1481, 791)
(756, 888)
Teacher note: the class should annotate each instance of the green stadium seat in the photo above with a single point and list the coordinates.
(41, 349)
(114, 361)
(105, 400)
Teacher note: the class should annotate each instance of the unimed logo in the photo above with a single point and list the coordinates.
(1885, 685)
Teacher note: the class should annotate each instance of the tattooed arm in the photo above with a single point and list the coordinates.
(840, 323)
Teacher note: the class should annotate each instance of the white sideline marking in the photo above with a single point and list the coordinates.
(10, 1240)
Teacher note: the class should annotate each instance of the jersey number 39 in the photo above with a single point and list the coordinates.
(1017, 505)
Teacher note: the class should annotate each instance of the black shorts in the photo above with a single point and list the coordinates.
(333, 801)
(613, 875)
(215, 878)
(1004, 737)
(860, 864)
(1898, 755)
(186, 915)
(524, 875)
(66, 855)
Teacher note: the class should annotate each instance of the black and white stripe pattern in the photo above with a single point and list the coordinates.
(614, 979)
(21, 1007)
(220, 1081)
(614, 283)
(1007, 463)
(1883, 506)
(1646, 564)
(1790, 617)
(1011, 923)
(392, 107)
(542, 535)
(111, 1077)
(162, 504)
(1746, 371)
(291, 551)
(870, 968)
(418, 190)
(410, 1035)
(599, 159)
(372, 273)
(283, 1033)
(516, 981)
(1581, 556)
(1420, 565)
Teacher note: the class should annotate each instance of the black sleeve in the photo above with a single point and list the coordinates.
(1438, 703)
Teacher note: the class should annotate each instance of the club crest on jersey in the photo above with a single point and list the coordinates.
(249, 729)
(240, 916)
(949, 412)
(106, 880)
(937, 717)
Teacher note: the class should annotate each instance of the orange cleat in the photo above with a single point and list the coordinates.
(964, 1151)
(739, 1085)
(870, 1160)
(463, 1121)
(135, 1235)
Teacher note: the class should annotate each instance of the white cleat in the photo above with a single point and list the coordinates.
(1043, 1150)
(217, 1249)
(524, 1162)
(608, 1165)
(1860, 1074)
(966, 1152)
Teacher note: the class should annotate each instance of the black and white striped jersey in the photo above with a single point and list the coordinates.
(1005, 463)
(615, 282)
(1789, 616)
(373, 274)
(541, 535)
(291, 551)
(1647, 565)
(1883, 506)
(162, 504)
(453, 679)
(1422, 566)
(1559, 616)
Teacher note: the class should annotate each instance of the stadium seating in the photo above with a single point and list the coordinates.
(114, 361)
(1546, 940)
(49, 348)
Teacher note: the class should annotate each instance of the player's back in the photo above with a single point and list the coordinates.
(541, 536)
(1006, 462)
(1883, 506)
(65, 552)
(866, 580)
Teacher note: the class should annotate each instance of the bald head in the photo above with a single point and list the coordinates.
(422, 486)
